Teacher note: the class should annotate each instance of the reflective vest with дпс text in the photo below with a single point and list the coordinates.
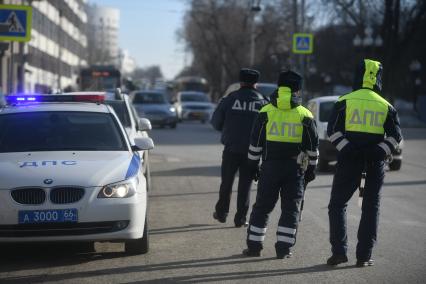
(366, 112)
(285, 125)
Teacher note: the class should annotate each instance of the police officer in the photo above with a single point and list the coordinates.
(283, 134)
(365, 129)
(234, 116)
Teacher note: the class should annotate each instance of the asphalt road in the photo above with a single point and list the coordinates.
(188, 246)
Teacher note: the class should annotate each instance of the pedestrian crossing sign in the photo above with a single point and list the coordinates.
(15, 23)
(303, 43)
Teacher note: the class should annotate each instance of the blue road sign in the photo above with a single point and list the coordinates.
(303, 43)
(16, 22)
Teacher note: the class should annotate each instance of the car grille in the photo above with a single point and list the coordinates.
(29, 196)
(65, 195)
(61, 229)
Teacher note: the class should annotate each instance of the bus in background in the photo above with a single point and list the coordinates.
(191, 83)
(99, 78)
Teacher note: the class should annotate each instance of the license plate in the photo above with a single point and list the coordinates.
(47, 216)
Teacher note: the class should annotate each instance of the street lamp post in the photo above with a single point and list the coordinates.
(255, 8)
(368, 43)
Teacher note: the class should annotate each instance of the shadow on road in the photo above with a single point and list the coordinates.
(395, 183)
(188, 228)
(187, 264)
(239, 275)
(192, 171)
(16, 257)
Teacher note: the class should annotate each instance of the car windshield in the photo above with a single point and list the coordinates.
(149, 98)
(325, 111)
(194, 98)
(266, 90)
(120, 109)
(60, 131)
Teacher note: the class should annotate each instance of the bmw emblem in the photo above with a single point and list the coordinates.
(48, 181)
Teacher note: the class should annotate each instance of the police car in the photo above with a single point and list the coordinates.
(69, 172)
(134, 125)
(322, 108)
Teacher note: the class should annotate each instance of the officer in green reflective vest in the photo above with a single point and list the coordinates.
(283, 135)
(365, 129)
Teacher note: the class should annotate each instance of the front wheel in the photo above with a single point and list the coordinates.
(139, 246)
(173, 125)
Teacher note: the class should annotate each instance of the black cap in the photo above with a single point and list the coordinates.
(249, 76)
(290, 79)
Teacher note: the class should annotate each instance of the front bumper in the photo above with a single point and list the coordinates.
(161, 119)
(196, 115)
(98, 219)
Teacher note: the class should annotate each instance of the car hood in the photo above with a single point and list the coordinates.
(80, 168)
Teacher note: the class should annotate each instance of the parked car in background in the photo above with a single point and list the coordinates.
(192, 105)
(321, 108)
(155, 106)
(266, 89)
(134, 125)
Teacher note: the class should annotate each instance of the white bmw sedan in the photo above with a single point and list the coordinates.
(68, 172)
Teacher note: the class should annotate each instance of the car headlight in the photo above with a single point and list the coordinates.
(123, 189)
(172, 109)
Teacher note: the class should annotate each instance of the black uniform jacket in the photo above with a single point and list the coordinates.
(234, 116)
(272, 150)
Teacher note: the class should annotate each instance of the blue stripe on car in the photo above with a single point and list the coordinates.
(133, 167)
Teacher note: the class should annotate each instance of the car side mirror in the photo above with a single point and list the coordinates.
(143, 143)
(144, 124)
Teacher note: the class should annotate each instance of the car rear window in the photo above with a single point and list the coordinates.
(266, 90)
(325, 111)
(60, 131)
(149, 98)
(194, 98)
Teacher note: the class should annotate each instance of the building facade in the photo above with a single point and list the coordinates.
(57, 50)
(103, 27)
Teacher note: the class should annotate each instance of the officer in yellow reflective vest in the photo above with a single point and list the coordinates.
(365, 129)
(282, 135)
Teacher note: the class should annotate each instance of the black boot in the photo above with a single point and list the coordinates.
(218, 217)
(364, 263)
(336, 259)
(284, 254)
(251, 253)
(239, 222)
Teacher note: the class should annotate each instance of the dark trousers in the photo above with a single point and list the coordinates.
(277, 178)
(345, 183)
(231, 163)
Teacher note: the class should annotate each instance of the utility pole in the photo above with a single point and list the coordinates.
(59, 49)
(293, 60)
(302, 29)
(254, 9)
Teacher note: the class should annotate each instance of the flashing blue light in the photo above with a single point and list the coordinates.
(11, 99)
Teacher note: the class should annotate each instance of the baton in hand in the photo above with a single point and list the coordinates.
(305, 184)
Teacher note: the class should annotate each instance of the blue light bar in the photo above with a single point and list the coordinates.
(23, 99)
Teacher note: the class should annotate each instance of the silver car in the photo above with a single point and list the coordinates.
(191, 105)
(154, 106)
